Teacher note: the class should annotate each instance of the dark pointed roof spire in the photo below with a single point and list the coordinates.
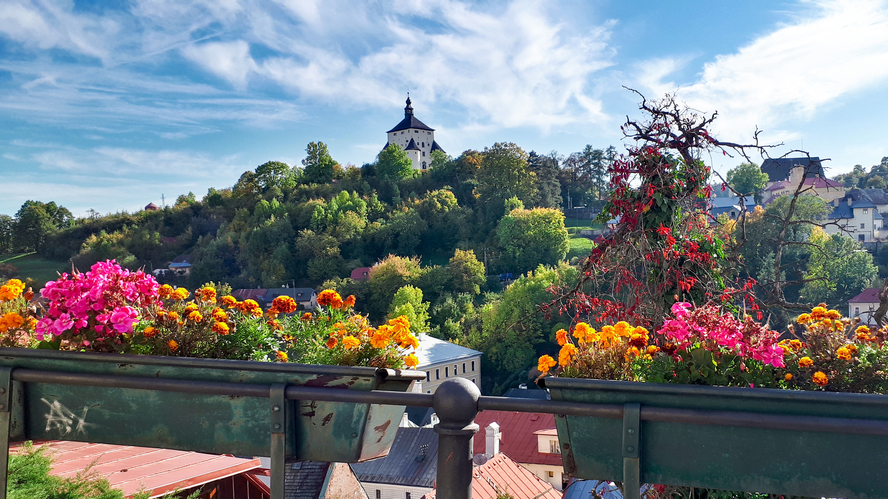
(409, 120)
(408, 111)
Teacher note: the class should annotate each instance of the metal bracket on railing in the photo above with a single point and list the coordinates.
(278, 456)
(5, 420)
(631, 451)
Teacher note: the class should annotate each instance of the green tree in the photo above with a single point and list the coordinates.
(504, 173)
(275, 174)
(838, 270)
(35, 221)
(386, 278)
(545, 168)
(7, 225)
(318, 164)
(466, 272)
(393, 163)
(533, 237)
(408, 302)
(747, 179)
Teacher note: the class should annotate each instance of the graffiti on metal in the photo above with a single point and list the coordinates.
(61, 419)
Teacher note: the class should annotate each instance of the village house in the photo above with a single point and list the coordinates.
(856, 219)
(863, 306)
(407, 472)
(442, 360)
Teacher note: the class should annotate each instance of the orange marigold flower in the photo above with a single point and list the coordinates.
(250, 307)
(862, 329)
(329, 298)
(349, 301)
(194, 316)
(273, 324)
(165, 291)
(834, 314)
(806, 362)
(820, 378)
(584, 333)
(638, 340)
(843, 353)
(149, 332)
(229, 301)
(411, 361)
(381, 338)
(804, 319)
(852, 347)
(788, 377)
(408, 341)
(818, 313)
(191, 307)
(173, 315)
(631, 353)
(272, 312)
(220, 328)
(306, 316)
(173, 345)
(206, 294)
(350, 342)
(623, 329)
(219, 315)
(180, 294)
(862, 336)
(609, 337)
(652, 349)
(796, 344)
(285, 304)
(332, 342)
(561, 337)
(545, 363)
(281, 356)
(568, 351)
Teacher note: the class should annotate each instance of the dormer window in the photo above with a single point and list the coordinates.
(865, 211)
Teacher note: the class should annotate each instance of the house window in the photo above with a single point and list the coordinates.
(464, 367)
(473, 381)
(455, 370)
(554, 448)
(473, 366)
(861, 238)
(378, 494)
(863, 226)
(865, 211)
(446, 372)
(428, 376)
(437, 374)
(407, 496)
(424, 165)
(423, 153)
(856, 311)
(551, 474)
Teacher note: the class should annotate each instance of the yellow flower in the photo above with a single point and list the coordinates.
(306, 316)
(381, 337)
(173, 345)
(819, 313)
(219, 315)
(349, 301)
(584, 333)
(820, 378)
(561, 337)
(804, 319)
(545, 363)
(180, 294)
(796, 345)
(220, 328)
(852, 348)
(609, 337)
(806, 362)
(194, 316)
(229, 301)
(281, 356)
(330, 298)
(568, 351)
(11, 290)
(788, 377)
(350, 342)
(149, 332)
(206, 295)
(411, 361)
(165, 291)
(652, 350)
(631, 353)
(843, 353)
(834, 314)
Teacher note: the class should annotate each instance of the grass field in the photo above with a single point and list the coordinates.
(31, 266)
(579, 247)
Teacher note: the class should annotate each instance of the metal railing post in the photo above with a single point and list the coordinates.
(456, 404)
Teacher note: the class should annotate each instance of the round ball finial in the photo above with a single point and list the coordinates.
(456, 401)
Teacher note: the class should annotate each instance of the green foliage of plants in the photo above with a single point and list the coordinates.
(28, 478)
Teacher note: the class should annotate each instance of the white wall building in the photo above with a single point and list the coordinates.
(442, 360)
(863, 306)
(415, 137)
(857, 219)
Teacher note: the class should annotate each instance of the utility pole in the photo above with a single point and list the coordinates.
(163, 201)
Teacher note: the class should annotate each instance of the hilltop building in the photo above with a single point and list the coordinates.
(415, 137)
(442, 360)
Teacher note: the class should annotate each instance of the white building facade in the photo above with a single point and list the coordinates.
(442, 360)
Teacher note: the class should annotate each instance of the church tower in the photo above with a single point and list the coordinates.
(415, 137)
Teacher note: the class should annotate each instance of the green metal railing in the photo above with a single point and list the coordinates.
(456, 403)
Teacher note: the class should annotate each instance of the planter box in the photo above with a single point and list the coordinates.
(752, 459)
(203, 422)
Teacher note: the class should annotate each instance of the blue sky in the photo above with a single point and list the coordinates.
(110, 105)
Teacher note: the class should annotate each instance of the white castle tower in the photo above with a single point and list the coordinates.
(415, 138)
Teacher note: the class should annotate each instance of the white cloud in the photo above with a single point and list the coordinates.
(228, 60)
(791, 74)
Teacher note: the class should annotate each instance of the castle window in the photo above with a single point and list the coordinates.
(862, 226)
(865, 211)
(424, 165)
(423, 153)
(446, 372)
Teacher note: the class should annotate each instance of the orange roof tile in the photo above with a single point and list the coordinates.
(132, 469)
(504, 475)
(518, 438)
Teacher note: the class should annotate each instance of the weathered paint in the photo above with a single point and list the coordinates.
(806, 463)
(222, 424)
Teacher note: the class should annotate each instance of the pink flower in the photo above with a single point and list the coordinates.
(680, 309)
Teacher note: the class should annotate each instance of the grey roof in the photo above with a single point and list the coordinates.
(845, 211)
(412, 146)
(298, 294)
(778, 169)
(420, 416)
(413, 460)
(436, 147)
(731, 201)
(716, 211)
(185, 258)
(528, 393)
(433, 351)
(877, 196)
(305, 479)
(410, 121)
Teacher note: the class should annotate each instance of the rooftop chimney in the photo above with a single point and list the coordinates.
(492, 440)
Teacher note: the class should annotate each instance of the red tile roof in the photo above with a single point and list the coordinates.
(505, 475)
(132, 469)
(518, 439)
(868, 295)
